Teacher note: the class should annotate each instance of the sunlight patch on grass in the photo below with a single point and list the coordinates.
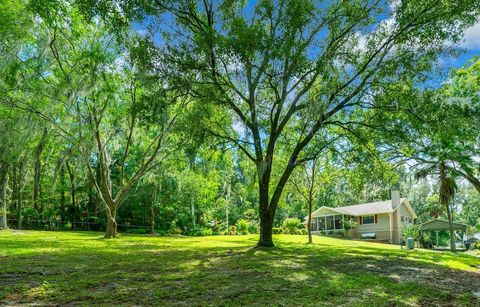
(82, 268)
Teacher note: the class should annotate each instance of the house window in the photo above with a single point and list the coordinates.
(368, 219)
(313, 227)
(405, 219)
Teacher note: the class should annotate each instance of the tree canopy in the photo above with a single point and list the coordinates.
(189, 116)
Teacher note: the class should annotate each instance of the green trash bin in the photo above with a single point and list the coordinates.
(410, 243)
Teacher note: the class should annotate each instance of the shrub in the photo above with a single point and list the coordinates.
(138, 231)
(277, 230)
(338, 234)
(303, 231)
(348, 225)
(411, 230)
(206, 232)
(233, 230)
(291, 225)
(198, 231)
(242, 227)
(174, 231)
(426, 240)
(216, 225)
(252, 228)
(250, 215)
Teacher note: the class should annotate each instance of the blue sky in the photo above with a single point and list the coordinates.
(471, 44)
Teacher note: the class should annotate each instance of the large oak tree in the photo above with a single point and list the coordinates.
(282, 61)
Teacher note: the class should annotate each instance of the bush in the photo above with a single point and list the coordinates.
(242, 227)
(277, 230)
(198, 231)
(233, 230)
(160, 232)
(411, 230)
(174, 231)
(206, 232)
(426, 240)
(291, 225)
(338, 234)
(252, 228)
(138, 230)
(349, 224)
(216, 225)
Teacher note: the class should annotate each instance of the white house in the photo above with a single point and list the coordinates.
(381, 220)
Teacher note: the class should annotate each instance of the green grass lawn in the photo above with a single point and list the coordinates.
(81, 268)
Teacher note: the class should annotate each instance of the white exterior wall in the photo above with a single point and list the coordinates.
(388, 227)
(401, 211)
(381, 228)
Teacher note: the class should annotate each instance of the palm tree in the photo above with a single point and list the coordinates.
(448, 188)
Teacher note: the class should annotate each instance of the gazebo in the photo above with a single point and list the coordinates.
(439, 225)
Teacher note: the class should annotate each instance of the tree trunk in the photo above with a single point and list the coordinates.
(62, 194)
(268, 206)
(3, 194)
(19, 209)
(38, 173)
(266, 217)
(152, 219)
(450, 226)
(266, 227)
(111, 231)
(309, 225)
(18, 183)
(73, 189)
(15, 187)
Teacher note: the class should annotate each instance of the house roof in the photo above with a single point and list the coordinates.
(384, 206)
(442, 225)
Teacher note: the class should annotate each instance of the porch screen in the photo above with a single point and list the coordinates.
(330, 224)
(321, 223)
(338, 221)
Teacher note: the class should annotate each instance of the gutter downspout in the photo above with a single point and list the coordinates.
(391, 227)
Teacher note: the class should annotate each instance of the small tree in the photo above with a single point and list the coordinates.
(411, 231)
(305, 184)
(348, 225)
(311, 181)
(242, 227)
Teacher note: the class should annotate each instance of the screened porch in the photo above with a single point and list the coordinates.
(329, 222)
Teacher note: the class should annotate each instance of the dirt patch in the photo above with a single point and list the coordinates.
(15, 304)
(403, 271)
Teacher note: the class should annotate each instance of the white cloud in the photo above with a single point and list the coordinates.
(142, 31)
(471, 39)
